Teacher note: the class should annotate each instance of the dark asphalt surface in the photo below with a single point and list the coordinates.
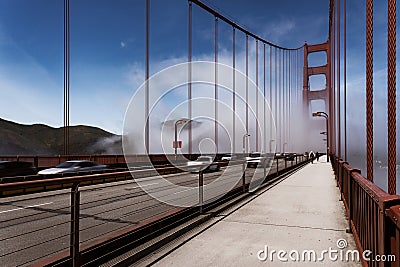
(34, 227)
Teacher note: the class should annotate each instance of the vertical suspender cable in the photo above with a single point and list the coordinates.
(264, 108)
(216, 83)
(190, 47)
(296, 82)
(345, 78)
(247, 84)
(391, 62)
(283, 106)
(287, 97)
(369, 88)
(290, 103)
(279, 100)
(276, 98)
(147, 72)
(331, 65)
(333, 116)
(66, 74)
(270, 99)
(338, 91)
(234, 89)
(283, 99)
(331, 79)
(257, 115)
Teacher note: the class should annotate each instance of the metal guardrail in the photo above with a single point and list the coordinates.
(114, 160)
(373, 214)
(119, 160)
(66, 182)
(50, 161)
(78, 214)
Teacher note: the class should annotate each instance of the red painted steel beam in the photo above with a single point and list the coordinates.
(315, 95)
(317, 47)
(391, 59)
(317, 70)
(369, 90)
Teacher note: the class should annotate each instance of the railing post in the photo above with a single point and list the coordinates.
(36, 161)
(339, 180)
(265, 168)
(393, 233)
(201, 200)
(351, 194)
(74, 233)
(349, 201)
(244, 177)
(277, 167)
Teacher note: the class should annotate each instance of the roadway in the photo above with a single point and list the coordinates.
(36, 226)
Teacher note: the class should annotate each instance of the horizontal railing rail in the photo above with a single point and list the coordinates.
(370, 214)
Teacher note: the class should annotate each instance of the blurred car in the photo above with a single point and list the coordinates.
(229, 157)
(74, 166)
(203, 163)
(16, 168)
(290, 156)
(226, 157)
(256, 159)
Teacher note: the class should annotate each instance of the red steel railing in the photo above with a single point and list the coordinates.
(374, 215)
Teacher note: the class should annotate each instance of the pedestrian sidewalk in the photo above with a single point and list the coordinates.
(300, 215)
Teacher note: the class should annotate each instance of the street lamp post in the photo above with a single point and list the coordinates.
(284, 147)
(181, 121)
(246, 135)
(270, 145)
(323, 114)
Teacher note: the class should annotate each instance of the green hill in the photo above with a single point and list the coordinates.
(39, 139)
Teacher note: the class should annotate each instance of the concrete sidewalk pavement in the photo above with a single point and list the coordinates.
(300, 215)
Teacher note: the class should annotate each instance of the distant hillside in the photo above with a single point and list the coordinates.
(39, 139)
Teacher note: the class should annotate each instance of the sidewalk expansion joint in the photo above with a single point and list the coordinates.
(286, 225)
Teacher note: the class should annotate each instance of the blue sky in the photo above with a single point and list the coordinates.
(107, 49)
(107, 52)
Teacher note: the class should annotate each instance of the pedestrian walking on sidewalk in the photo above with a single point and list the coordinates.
(312, 155)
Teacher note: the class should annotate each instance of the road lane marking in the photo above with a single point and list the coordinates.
(27, 207)
(146, 184)
(185, 190)
(139, 186)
